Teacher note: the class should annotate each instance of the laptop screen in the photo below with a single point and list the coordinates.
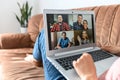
(69, 30)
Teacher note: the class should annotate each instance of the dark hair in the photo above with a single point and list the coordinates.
(87, 37)
(85, 21)
(63, 33)
(79, 15)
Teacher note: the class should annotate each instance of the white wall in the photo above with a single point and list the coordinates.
(8, 22)
(67, 4)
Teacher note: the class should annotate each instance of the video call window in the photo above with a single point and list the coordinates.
(69, 30)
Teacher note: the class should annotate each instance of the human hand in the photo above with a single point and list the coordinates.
(85, 67)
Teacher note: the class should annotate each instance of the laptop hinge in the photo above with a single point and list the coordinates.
(74, 51)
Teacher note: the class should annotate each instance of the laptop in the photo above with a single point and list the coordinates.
(70, 33)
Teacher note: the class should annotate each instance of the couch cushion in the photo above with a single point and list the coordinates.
(21, 70)
(14, 67)
(104, 24)
(9, 53)
(11, 40)
(115, 29)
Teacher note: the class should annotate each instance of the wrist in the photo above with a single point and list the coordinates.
(89, 77)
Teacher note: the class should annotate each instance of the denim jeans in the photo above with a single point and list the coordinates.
(39, 53)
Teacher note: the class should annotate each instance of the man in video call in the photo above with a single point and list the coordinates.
(78, 24)
(60, 25)
(63, 42)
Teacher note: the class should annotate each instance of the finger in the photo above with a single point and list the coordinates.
(79, 59)
(74, 64)
(87, 55)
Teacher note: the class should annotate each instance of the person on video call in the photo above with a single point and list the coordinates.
(80, 65)
(84, 39)
(63, 42)
(85, 24)
(78, 24)
(60, 25)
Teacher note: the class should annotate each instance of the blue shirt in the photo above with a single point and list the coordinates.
(76, 26)
(63, 42)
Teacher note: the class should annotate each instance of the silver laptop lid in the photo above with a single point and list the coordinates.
(68, 30)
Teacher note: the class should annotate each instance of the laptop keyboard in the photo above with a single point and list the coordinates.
(97, 55)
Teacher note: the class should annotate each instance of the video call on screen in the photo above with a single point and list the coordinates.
(69, 30)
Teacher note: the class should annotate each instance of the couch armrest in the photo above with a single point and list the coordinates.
(9, 41)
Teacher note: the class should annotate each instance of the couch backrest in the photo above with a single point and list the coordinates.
(107, 25)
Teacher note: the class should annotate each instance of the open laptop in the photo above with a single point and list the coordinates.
(67, 38)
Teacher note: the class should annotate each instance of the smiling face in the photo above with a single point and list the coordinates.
(63, 35)
(79, 19)
(85, 24)
(60, 19)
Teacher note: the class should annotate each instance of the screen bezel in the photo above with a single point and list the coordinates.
(58, 51)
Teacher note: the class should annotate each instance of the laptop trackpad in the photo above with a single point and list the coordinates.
(103, 65)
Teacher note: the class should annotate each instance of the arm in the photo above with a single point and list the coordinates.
(74, 24)
(58, 44)
(90, 77)
(67, 27)
(79, 39)
(54, 28)
(11, 40)
(69, 44)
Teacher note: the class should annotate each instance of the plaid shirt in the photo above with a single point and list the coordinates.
(63, 27)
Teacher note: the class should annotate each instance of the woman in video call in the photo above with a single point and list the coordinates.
(84, 37)
(63, 42)
(85, 24)
(84, 65)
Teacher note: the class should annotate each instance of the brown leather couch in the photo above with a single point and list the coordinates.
(13, 50)
(14, 47)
